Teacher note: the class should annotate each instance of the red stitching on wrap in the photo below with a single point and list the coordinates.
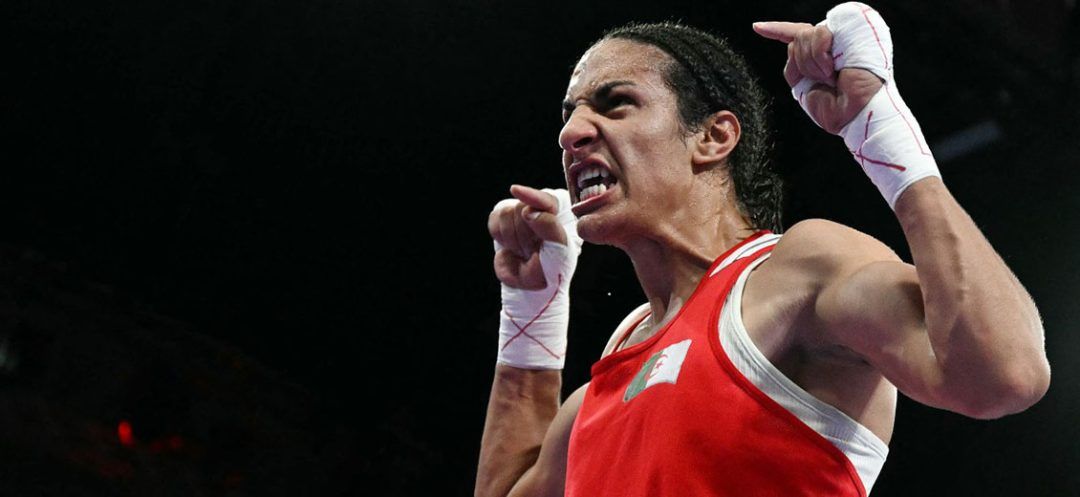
(866, 129)
(914, 136)
(882, 47)
(898, 167)
(521, 329)
(859, 155)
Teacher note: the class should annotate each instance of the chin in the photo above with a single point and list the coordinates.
(600, 229)
(591, 229)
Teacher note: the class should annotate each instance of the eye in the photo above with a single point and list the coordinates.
(616, 101)
(567, 109)
(619, 101)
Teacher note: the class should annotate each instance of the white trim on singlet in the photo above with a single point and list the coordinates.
(746, 251)
(863, 448)
(636, 316)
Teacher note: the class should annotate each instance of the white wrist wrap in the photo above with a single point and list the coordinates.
(884, 136)
(532, 329)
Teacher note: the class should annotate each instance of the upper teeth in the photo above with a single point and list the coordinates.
(589, 173)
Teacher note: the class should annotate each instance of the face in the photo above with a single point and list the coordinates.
(626, 158)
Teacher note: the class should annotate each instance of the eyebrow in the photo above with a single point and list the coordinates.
(600, 94)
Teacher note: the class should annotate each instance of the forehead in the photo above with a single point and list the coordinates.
(618, 59)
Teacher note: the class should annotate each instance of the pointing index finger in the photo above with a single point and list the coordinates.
(538, 200)
(780, 31)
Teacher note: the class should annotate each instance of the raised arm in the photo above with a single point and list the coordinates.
(957, 330)
(984, 331)
(526, 433)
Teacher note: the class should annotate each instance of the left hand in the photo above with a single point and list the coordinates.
(833, 101)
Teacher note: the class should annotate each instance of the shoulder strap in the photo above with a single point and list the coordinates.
(766, 240)
(626, 327)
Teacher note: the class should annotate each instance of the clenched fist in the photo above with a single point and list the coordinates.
(834, 99)
(519, 227)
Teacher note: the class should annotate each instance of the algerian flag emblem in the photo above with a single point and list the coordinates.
(662, 367)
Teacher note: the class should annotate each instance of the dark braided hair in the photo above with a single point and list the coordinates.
(707, 76)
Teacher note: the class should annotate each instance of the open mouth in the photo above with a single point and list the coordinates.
(593, 181)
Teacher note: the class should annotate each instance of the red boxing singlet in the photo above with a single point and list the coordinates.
(673, 417)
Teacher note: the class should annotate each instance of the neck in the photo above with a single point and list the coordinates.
(671, 262)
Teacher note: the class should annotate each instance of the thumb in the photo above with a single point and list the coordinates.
(540, 213)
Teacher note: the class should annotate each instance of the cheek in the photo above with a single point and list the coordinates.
(663, 130)
(660, 146)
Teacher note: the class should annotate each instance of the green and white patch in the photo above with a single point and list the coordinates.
(661, 367)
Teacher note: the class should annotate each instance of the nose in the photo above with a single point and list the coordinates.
(578, 132)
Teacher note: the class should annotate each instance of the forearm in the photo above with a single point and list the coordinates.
(983, 326)
(522, 405)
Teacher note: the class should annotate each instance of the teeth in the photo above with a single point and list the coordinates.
(589, 173)
(592, 191)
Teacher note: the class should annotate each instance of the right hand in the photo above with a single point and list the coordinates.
(837, 96)
(520, 225)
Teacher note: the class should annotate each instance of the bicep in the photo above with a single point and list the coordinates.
(876, 310)
(548, 476)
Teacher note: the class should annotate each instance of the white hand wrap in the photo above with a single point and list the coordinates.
(532, 329)
(884, 136)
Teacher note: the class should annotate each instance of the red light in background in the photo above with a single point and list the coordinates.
(123, 430)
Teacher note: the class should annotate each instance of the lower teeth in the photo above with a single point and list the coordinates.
(593, 191)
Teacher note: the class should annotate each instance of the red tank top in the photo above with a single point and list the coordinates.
(672, 416)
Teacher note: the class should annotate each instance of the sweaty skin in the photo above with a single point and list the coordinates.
(834, 309)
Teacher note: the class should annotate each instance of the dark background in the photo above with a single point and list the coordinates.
(254, 231)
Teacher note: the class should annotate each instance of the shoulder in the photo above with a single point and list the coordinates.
(822, 248)
(811, 260)
(851, 281)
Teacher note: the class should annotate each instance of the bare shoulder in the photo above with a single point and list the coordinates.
(782, 305)
(784, 292)
(842, 282)
(821, 247)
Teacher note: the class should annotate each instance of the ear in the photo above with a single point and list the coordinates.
(717, 138)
